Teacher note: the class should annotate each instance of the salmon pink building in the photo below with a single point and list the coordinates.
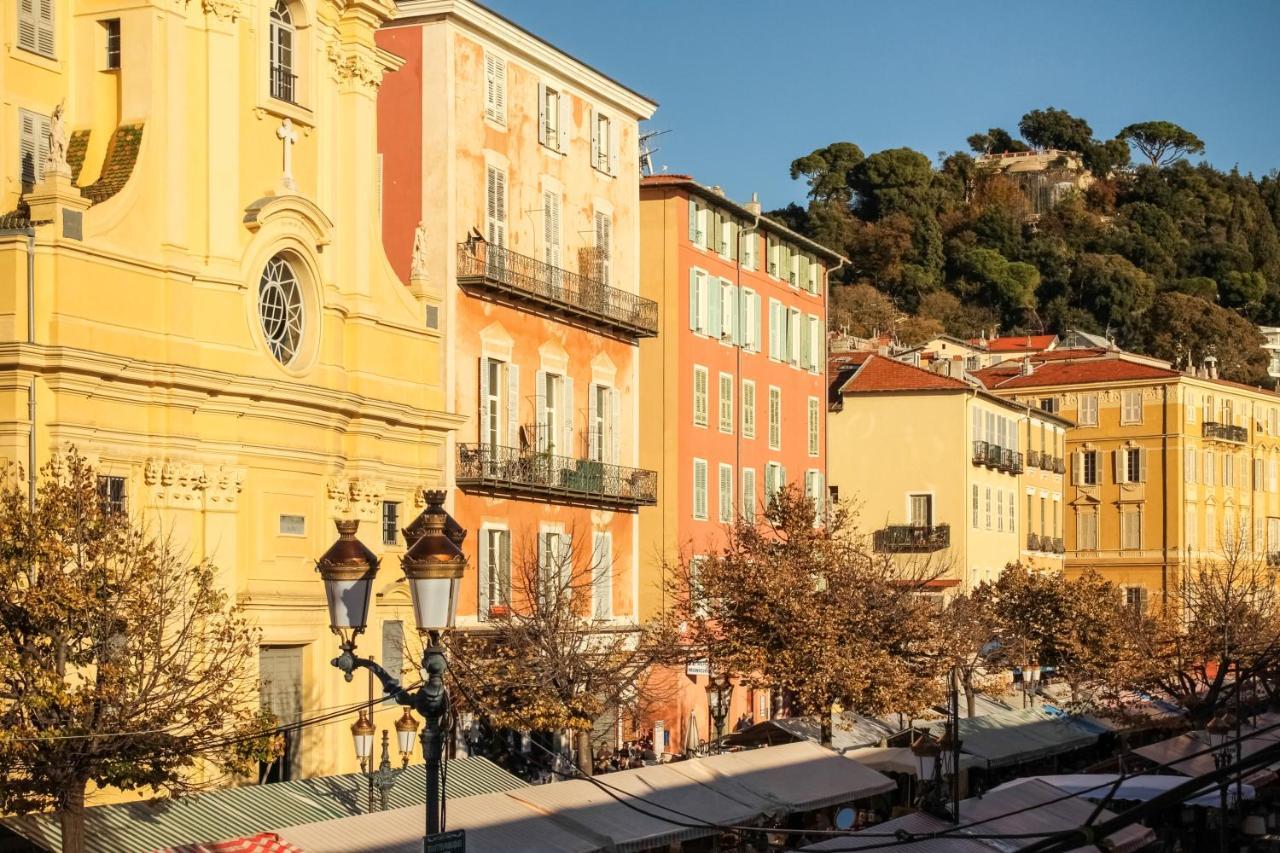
(509, 200)
(734, 391)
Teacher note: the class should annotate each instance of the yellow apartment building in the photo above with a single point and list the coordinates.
(1163, 464)
(939, 470)
(194, 293)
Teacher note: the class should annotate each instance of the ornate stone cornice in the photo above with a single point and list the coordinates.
(183, 484)
(355, 65)
(223, 10)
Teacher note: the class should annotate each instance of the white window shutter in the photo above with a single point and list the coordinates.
(44, 27)
(568, 413)
(594, 438)
(713, 309)
(805, 350)
(693, 299)
(483, 574)
(563, 102)
(615, 423)
(755, 322)
(1142, 465)
(500, 89)
(542, 113)
(595, 136)
(28, 146)
(1077, 468)
(513, 405)
(613, 129)
(27, 24)
(693, 221)
(540, 403)
(484, 400)
(1118, 458)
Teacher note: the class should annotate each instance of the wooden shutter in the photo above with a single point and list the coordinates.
(755, 322)
(615, 420)
(693, 299)
(484, 400)
(27, 26)
(713, 307)
(804, 345)
(693, 220)
(1077, 468)
(748, 494)
(594, 122)
(28, 167)
(539, 410)
(496, 198)
(44, 26)
(542, 114)
(512, 437)
(567, 415)
(612, 131)
(604, 236)
(551, 227)
(1118, 458)
(1142, 465)
(594, 436)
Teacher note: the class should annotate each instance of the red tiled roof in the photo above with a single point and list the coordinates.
(1060, 354)
(1001, 377)
(880, 373)
(664, 178)
(1017, 343)
(1243, 386)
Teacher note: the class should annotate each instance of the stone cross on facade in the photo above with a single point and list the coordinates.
(288, 136)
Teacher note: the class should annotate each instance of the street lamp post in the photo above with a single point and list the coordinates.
(433, 567)
(1220, 729)
(1030, 681)
(719, 692)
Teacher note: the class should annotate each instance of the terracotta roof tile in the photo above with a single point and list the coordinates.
(664, 178)
(122, 154)
(1072, 373)
(1019, 343)
(880, 373)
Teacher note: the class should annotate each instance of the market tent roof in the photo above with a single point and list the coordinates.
(231, 813)
(494, 822)
(900, 759)
(1026, 808)
(848, 731)
(1189, 755)
(1012, 736)
(1125, 710)
(1096, 786)
(680, 799)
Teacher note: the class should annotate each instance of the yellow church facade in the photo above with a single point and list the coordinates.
(195, 294)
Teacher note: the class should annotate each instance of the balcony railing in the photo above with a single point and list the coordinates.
(283, 83)
(995, 456)
(535, 475)
(1226, 432)
(1033, 542)
(1059, 547)
(1033, 458)
(912, 539)
(1273, 559)
(979, 453)
(529, 281)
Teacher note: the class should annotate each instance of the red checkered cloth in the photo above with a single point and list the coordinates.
(263, 842)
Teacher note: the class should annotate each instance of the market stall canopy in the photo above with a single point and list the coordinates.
(1189, 754)
(900, 759)
(1010, 737)
(237, 813)
(848, 731)
(1024, 808)
(660, 805)
(1096, 786)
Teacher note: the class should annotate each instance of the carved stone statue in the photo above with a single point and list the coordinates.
(418, 261)
(56, 159)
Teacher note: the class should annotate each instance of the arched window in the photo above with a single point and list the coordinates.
(283, 36)
(280, 309)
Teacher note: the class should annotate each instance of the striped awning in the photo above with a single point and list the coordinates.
(238, 814)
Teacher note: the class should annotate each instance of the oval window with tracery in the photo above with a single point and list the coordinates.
(280, 308)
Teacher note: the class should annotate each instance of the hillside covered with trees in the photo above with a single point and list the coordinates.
(1168, 258)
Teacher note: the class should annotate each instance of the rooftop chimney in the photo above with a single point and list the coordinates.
(754, 204)
(717, 189)
(1211, 367)
(1027, 367)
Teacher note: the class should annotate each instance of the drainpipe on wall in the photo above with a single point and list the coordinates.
(30, 233)
(1164, 497)
(752, 229)
(826, 392)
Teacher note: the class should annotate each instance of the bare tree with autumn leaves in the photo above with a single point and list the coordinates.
(808, 609)
(547, 661)
(122, 663)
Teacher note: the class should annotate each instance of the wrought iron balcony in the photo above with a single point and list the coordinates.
(1033, 542)
(1059, 547)
(520, 279)
(1226, 432)
(995, 455)
(1273, 559)
(912, 539)
(535, 475)
(1033, 458)
(979, 453)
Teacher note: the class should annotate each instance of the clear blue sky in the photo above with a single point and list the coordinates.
(746, 87)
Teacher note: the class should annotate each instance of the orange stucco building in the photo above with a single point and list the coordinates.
(737, 381)
(510, 182)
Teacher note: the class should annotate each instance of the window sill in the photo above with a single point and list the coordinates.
(31, 57)
(550, 150)
(495, 123)
(603, 172)
(296, 113)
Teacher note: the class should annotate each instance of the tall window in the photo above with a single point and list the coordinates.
(1209, 468)
(815, 417)
(603, 254)
(602, 575)
(1130, 465)
(35, 26)
(975, 506)
(600, 418)
(726, 402)
(551, 391)
(988, 508)
(282, 35)
(602, 143)
(555, 556)
(1087, 474)
(1086, 529)
(550, 132)
(1000, 510)
(495, 207)
(495, 569)
(111, 494)
(775, 418)
(111, 37)
(726, 493)
(748, 408)
(1191, 523)
(551, 228)
(495, 88)
(700, 380)
(1191, 466)
(1131, 407)
(390, 522)
(698, 301)
(33, 147)
(921, 510)
(700, 489)
(491, 402)
(1131, 529)
(1088, 410)
(748, 494)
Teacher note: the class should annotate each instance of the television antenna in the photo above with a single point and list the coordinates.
(647, 150)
